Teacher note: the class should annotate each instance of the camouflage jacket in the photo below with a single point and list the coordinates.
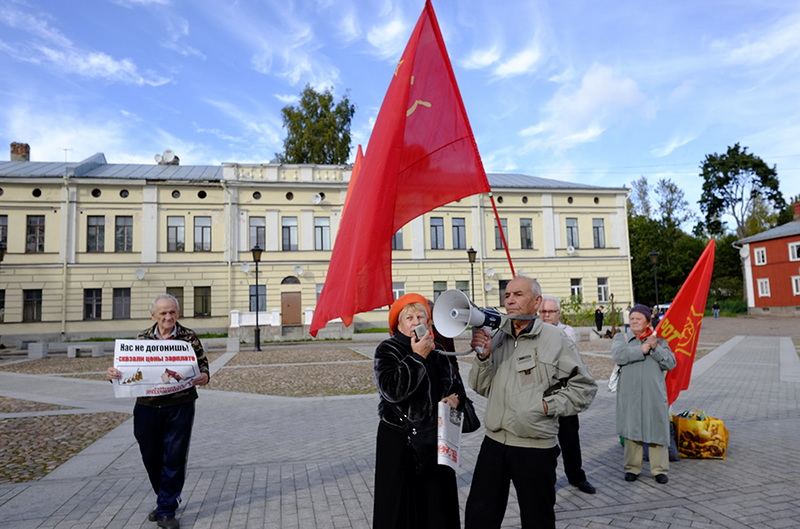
(188, 394)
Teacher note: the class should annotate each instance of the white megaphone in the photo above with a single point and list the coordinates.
(453, 312)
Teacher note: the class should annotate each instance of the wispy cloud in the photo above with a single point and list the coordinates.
(764, 44)
(388, 39)
(482, 58)
(671, 145)
(523, 62)
(48, 47)
(580, 114)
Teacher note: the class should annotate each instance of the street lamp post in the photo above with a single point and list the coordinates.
(257, 332)
(654, 260)
(471, 253)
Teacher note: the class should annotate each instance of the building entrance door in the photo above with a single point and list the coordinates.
(291, 312)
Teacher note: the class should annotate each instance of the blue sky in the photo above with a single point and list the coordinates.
(599, 92)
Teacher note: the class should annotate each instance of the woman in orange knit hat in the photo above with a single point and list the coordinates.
(411, 490)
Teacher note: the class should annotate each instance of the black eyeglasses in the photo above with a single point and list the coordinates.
(549, 312)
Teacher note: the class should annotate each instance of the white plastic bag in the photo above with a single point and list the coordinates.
(613, 380)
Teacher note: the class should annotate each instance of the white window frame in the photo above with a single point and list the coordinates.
(760, 256)
(794, 251)
(796, 285)
(576, 289)
(603, 290)
(398, 289)
(763, 288)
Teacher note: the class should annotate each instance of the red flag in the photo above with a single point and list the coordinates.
(353, 177)
(421, 155)
(680, 326)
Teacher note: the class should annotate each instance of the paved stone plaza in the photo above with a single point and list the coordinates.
(274, 462)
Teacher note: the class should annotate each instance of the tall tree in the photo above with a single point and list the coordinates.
(672, 206)
(640, 197)
(732, 182)
(317, 131)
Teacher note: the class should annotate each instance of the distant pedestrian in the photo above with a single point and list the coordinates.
(598, 318)
(715, 308)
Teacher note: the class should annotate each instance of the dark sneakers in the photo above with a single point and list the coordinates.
(152, 517)
(630, 476)
(662, 479)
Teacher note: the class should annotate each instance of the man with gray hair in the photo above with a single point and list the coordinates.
(568, 425)
(162, 424)
(531, 374)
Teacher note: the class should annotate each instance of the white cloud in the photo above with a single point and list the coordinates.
(669, 147)
(766, 44)
(389, 39)
(523, 62)
(481, 58)
(581, 114)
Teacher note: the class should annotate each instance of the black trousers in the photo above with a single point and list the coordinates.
(163, 435)
(570, 443)
(533, 473)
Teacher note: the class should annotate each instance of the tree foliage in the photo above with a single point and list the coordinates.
(732, 182)
(317, 131)
(672, 206)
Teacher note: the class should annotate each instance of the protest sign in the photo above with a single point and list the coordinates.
(153, 367)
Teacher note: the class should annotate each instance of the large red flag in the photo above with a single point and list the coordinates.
(680, 326)
(421, 155)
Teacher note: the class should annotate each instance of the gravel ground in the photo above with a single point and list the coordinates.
(31, 447)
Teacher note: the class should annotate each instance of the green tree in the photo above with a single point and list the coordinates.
(317, 131)
(640, 197)
(731, 182)
(672, 206)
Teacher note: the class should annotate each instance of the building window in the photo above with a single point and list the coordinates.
(397, 240)
(289, 234)
(498, 240)
(438, 288)
(260, 297)
(31, 305)
(122, 304)
(795, 290)
(322, 233)
(258, 232)
(202, 234)
(398, 289)
(123, 234)
(794, 251)
(502, 284)
(177, 293)
(175, 234)
(576, 287)
(463, 286)
(95, 233)
(572, 232)
(319, 289)
(34, 241)
(526, 234)
(760, 255)
(92, 303)
(202, 302)
(437, 233)
(763, 288)
(4, 230)
(459, 234)
(598, 233)
(602, 290)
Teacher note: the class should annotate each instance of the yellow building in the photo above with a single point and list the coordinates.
(87, 245)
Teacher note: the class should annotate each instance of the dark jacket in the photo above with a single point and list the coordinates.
(413, 383)
(188, 394)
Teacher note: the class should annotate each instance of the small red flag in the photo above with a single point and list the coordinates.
(680, 326)
(421, 155)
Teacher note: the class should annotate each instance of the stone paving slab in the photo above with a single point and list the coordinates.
(271, 462)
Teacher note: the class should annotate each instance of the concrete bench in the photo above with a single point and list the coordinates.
(74, 351)
(37, 350)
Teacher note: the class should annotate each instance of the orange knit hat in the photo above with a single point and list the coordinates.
(402, 301)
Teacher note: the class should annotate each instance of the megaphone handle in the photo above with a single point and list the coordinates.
(478, 350)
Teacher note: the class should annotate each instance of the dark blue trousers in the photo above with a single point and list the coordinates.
(163, 435)
(533, 473)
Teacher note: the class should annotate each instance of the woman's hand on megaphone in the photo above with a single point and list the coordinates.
(481, 343)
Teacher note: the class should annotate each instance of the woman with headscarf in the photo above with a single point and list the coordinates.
(411, 490)
(642, 408)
